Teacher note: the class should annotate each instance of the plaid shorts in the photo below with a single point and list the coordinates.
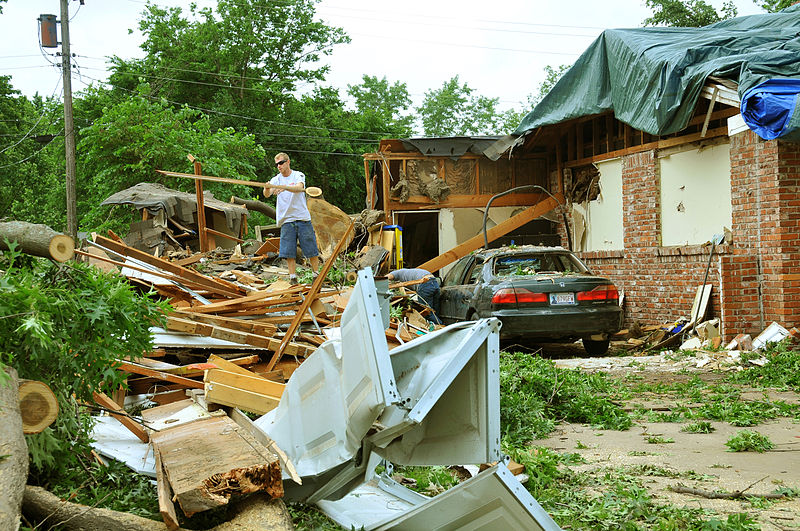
(294, 232)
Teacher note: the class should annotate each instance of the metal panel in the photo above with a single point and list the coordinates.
(332, 399)
(494, 499)
(450, 412)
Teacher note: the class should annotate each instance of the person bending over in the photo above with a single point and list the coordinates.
(428, 291)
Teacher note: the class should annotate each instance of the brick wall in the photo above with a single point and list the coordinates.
(756, 277)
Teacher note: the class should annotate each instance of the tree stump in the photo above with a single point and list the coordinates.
(37, 240)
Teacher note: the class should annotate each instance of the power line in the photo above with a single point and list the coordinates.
(27, 134)
(246, 117)
(61, 132)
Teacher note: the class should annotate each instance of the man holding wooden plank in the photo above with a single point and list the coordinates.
(294, 218)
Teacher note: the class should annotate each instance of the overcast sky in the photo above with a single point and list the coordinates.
(498, 48)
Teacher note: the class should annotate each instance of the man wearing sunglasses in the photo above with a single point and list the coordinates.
(293, 216)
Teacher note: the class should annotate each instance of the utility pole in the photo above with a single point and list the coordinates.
(69, 128)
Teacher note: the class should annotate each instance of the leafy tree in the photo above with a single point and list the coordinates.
(774, 5)
(66, 325)
(389, 103)
(687, 13)
(250, 48)
(132, 139)
(455, 110)
(31, 158)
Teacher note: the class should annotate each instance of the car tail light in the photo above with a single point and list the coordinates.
(606, 292)
(521, 295)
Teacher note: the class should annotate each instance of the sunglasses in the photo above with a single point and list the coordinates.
(280, 163)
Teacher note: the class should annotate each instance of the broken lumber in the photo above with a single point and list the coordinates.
(213, 285)
(146, 371)
(476, 242)
(209, 460)
(165, 505)
(38, 406)
(309, 298)
(116, 411)
(37, 239)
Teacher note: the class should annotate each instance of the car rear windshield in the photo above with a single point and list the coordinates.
(536, 263)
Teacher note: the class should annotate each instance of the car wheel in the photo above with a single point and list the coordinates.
(596, 348)
(473, 316)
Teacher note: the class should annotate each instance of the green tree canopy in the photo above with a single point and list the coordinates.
(687, 13)
(456, 110)
(250, 48)
(388, 103)
(774, 5)
(137, 136)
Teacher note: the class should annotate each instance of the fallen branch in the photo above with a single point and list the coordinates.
(735, 495)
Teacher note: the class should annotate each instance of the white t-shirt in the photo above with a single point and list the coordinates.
(291, 206)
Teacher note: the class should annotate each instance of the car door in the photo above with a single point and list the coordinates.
(450, 292)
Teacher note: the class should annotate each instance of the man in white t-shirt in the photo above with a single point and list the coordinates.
(293, 216)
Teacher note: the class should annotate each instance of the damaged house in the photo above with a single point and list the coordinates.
(661, 140)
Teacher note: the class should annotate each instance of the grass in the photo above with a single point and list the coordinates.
(749, 441)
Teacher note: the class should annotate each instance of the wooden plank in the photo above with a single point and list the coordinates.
(223, 235)
(253, 327)
(250, 393)
(165, 505)
(213, 285)
(160, 375)
(209, 460)
(248, 382)
(118, 413)
(476, 242)
(229, 366)
(313, 292)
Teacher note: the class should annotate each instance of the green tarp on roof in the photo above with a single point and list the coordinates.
(652, 77)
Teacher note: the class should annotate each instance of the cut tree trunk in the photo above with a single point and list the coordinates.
(38, 406)
(40, 504)
(13, 453)
(257, 512)
(37, 240)
(255, 205)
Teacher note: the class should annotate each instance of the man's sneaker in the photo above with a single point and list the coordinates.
(293, 280)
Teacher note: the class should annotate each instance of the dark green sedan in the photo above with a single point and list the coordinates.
(538, 293)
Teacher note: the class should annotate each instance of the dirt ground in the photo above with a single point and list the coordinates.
(713, 467)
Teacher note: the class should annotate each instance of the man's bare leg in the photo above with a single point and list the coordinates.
(314, 263)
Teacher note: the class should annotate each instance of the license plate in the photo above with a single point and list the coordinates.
(562, 298)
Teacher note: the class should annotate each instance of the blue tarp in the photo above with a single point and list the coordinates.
(651, 78)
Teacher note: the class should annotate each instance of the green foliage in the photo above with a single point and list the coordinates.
(749, 441)
(701, 426)
(309, 517)
(429, 480)
(781, 370)
(774, 5)
(456, 110)
(658, 439)
(389, 103)
(535, 394)
(114, 487)
(133, 138)
(687, 13)
(31, 158)
(66, 325)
